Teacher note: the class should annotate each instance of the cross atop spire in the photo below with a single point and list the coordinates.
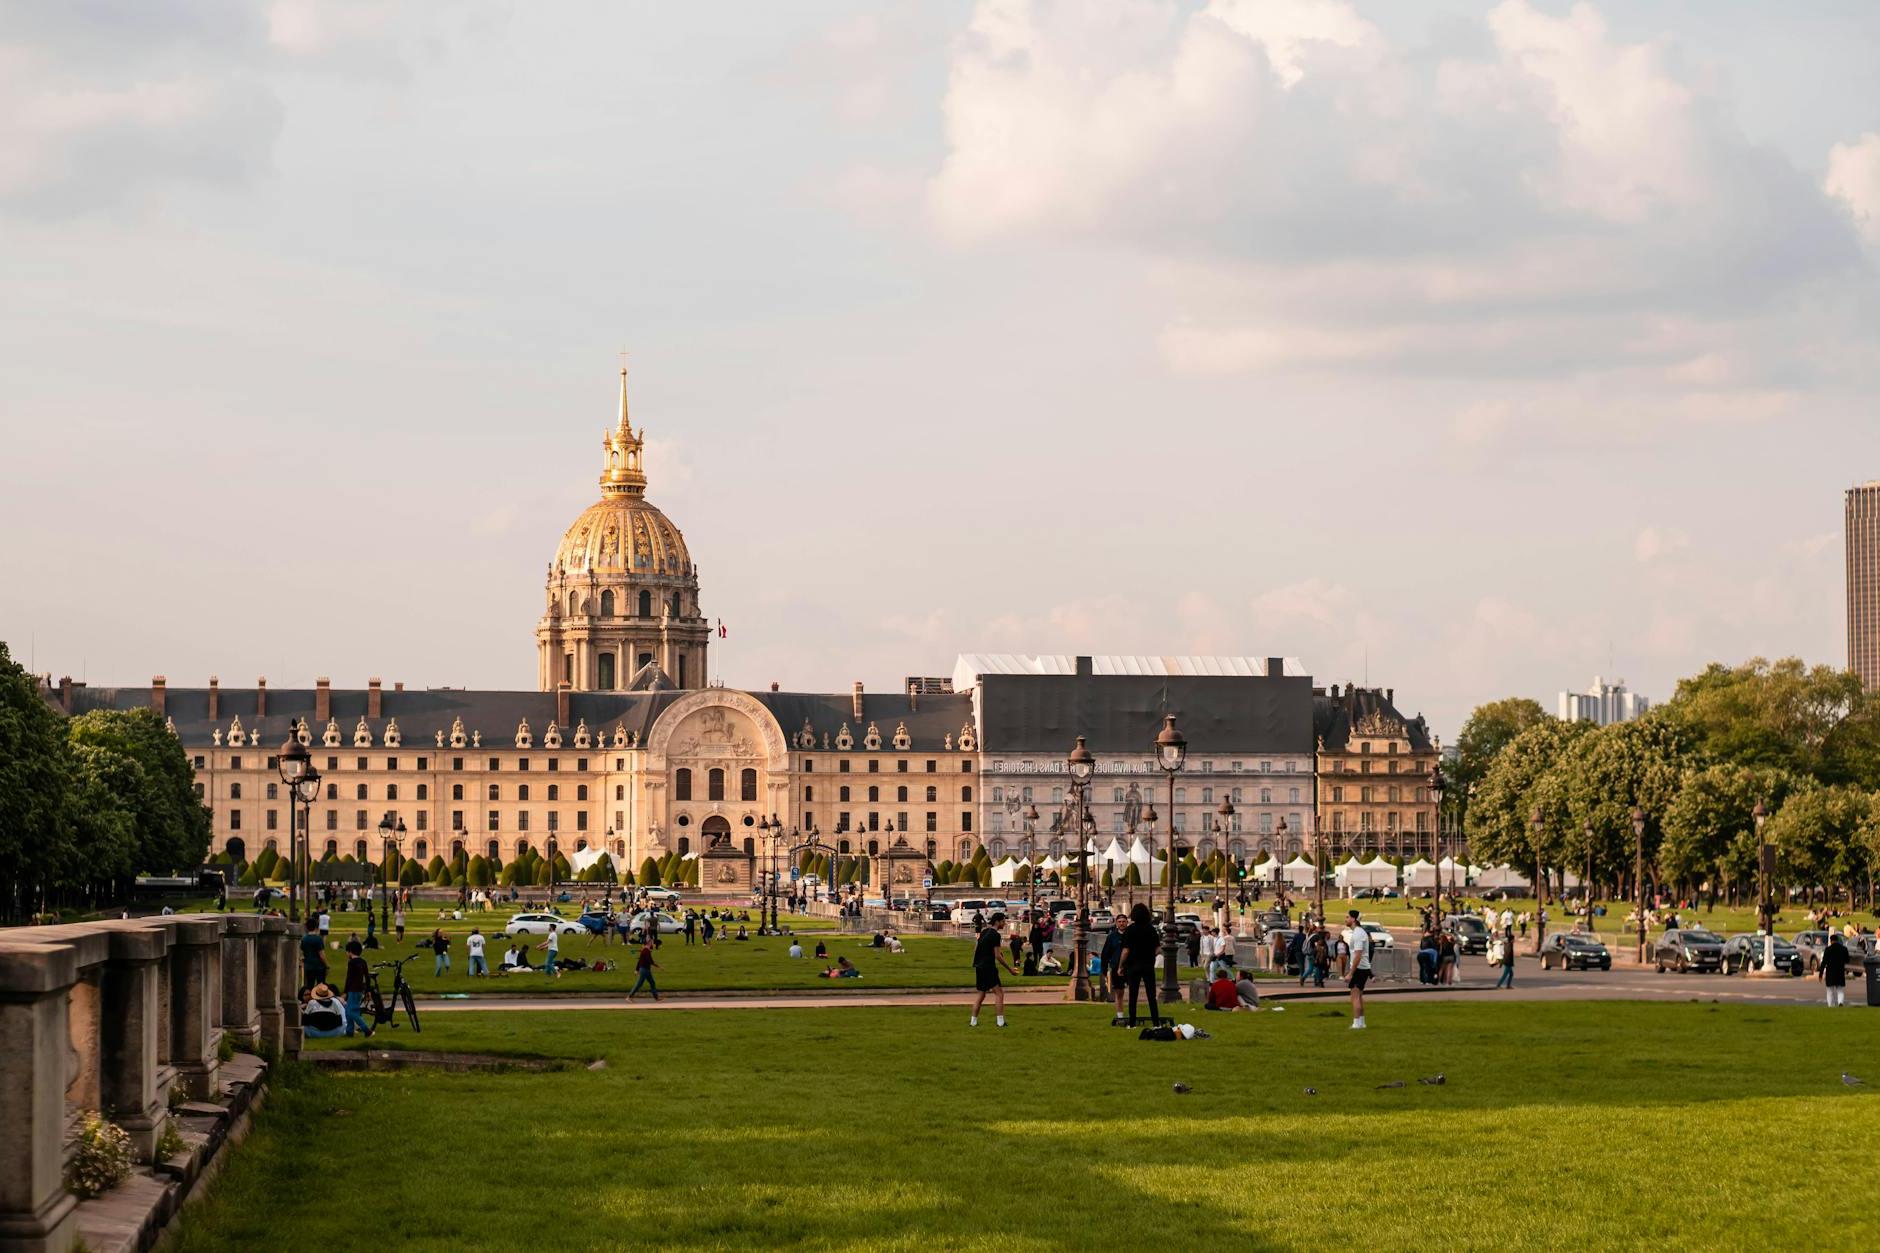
(621, 474)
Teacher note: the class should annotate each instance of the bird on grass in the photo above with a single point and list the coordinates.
(1312, 1091)
(1434, 1081)
(1394, 1083)
(1181, 1089)
(1852, 1081)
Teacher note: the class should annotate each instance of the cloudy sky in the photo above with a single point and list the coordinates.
(1483, 345)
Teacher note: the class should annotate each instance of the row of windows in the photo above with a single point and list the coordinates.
(423, 763)
(900, 765)
(1119, 796)
(874, 793)
(871, 821)
(1057, 766)
(1367, 794)
(714, 784)
(644, 604)
(1364, 767)
(1393, 821)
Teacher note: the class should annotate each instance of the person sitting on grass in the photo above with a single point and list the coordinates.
(1049, 964)
(742, 934)
(843, 969)
(322, 1016)
(510, 961)
(822, 951)
(895, 945)
(1222, 994)
(1245, 992)
(796, 948)
(878, 941)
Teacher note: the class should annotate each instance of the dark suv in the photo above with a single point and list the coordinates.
(1567, 951)
(1470, 932)
(1684, 949)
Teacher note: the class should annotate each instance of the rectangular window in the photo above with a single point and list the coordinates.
(495, 820)
(554, 820)
(234, 763)
(359, 819)
(966, 765)
(423, 815)
(332, 764)
(456, 763)
(809, 764)
(966, 820)
(901, 766)
(235, 820)
(456, 820)
(580, 820)
(332, 820)
(900, 820)
(554, 764)
(842, 767)
(273, 820)
(874, 765)
(391, 791)
(932, 765)
(496, 763)
(522, 763)
(933, 821)
(522, 820)
(391, 763)
(580, 764)
(424, 763)
(842, 821)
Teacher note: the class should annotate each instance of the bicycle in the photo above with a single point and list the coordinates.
(382, 1010)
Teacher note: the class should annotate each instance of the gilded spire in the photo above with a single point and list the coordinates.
(621, 474)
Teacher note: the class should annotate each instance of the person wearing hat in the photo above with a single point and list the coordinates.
(988, 956)
(322, 1017)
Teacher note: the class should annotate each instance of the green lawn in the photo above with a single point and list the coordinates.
(885, 1128)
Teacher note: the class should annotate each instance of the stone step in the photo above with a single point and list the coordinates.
(128, 1218)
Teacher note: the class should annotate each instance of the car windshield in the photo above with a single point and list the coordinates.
(1702, 937)
(1579, 941)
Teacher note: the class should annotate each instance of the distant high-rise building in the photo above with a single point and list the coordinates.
(1604, 703)
(1863, 583)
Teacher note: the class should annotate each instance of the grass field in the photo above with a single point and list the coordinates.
(883, 1128)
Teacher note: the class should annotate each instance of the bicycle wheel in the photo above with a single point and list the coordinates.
(411, 1008)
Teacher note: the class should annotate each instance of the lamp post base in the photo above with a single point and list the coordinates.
(1080, 982)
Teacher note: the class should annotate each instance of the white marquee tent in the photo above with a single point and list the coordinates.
(1373, 874)
(1501, 877)
(1301, 873)
(1419, 874)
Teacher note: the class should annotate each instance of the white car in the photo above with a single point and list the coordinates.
(1193, 920)
(659, 896)
(1101, 920)
(1380, 935)
(668, 925)
(542, 924)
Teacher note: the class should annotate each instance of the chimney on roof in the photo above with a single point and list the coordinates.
(375, 699)
(1275, 667)
(773, 685)
(1390, 695)
(323, 699)
(399, 686)
(858, 700)
(261, 697)
(561, 703)
(215, 698)
(65, 693)
(1084, 668)
(158, 690)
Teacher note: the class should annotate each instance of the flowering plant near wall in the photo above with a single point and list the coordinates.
(101, 1158)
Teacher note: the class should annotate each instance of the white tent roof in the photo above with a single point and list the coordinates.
(582, 858)
(1500, 877)
(1374, 874)
(1139, 853)
(1114, 853)
(1300, 872)
(1298, 861)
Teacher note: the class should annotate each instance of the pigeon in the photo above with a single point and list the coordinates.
(1394, 1083)
(1182, 1089)
(1852, 1081)
(1434, 1081)
(1312, 1091)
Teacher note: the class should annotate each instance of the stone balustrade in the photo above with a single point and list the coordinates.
(111, 1016)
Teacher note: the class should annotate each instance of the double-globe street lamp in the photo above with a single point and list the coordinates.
(1171, 753)
(1082, 766)
(391, 835)
(1638, 877)
(1765, 865)
(297, 771)
(772, 827)
(1223, 827)
(1438, 785)
(1539, 825)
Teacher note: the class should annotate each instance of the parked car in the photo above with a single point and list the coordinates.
(1381, 937)
(1812, 944)
(1688, 948)
(1272, 920)
(1747, 949)
(963, 911)
(1101, 920)
(1471, 933)
(542, 924)
(1566, 951)
(659, 896)
(668, 925)
(939, 912)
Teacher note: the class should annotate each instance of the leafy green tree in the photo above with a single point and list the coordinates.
(102, 842)
(477, 873)
(1819, 834)
(649, 873)
(172, 826)
(541, 873)
(1498, 815)
(1601, 777)
(1707, 822)
(1762, 713)
(1491, 728)
(412, 875)
(264, 864)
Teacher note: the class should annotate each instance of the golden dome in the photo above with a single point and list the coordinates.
(624, 534)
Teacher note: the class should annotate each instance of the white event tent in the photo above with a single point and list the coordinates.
(1372, 874)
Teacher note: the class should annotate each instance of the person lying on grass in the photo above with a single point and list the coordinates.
(841, 970)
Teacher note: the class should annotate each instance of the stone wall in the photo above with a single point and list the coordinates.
(111, 1016)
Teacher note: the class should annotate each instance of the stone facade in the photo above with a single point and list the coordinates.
(1373, 775)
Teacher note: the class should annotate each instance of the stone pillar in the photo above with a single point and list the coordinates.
(241, 934)
(271, 972)
(196, 1003)
(135, 1084)
(36, 1212)
(291, 1036)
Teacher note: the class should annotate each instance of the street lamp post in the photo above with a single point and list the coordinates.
(1171, 753)
(385, 872)
(1031, 855)
(1279, 839)
(1767, 907)
(1223, 826)
(1586, 887)
(1638, 876)
(1437, 785)
(294, 763)
(1082, 766)
(1540, 881)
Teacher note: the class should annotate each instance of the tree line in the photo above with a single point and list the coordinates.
(88, 803)
(1802, 742)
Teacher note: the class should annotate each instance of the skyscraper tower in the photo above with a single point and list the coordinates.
(1863, 583)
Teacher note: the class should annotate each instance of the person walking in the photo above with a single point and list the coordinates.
(1036, 937)
(1321, 956)
(1360, 941)
(1109, 966)
(326, 924)
(1506, 956)
(398, 922)
(474, 946)
(644, 968)
(1138, 960)
(1834, 971)
(691, 925)
(988, 956)
(439, 944)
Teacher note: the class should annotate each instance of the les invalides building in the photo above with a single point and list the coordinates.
(627, 749)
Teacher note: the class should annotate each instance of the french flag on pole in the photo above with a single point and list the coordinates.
(722, 633)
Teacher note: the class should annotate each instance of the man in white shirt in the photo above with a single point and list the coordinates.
(1507, 919)
(1210, 946)
(796, 948)
(474, 942)
(326, 923)
(1360, 941)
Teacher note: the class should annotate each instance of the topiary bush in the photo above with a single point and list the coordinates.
(649, 874)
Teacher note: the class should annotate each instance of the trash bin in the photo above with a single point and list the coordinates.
(1873, 980)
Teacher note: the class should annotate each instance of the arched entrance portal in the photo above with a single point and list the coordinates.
(236, 849)
(715, 829)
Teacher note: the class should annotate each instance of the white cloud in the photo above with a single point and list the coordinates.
(1656, 542)
(1854, 179)
(1480, 423)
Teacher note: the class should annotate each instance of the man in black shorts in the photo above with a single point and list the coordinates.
(988, 956)
(1360, 941)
